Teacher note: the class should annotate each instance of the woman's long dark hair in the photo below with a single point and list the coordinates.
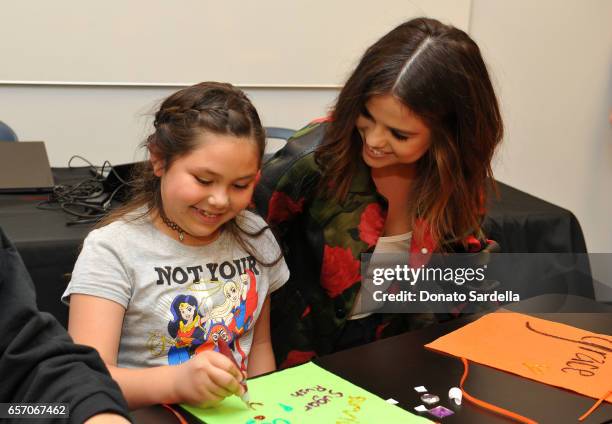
(437, 71)
(219, 108)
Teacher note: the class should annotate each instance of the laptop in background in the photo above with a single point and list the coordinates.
(24, 167)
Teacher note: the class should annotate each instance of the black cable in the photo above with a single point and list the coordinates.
(85, 200)
(98, 171)
(112, 169)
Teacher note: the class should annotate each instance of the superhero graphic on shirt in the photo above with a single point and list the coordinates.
(243, 312)
(185, 329)
(195, 331)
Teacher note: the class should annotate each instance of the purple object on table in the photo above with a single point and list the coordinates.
(440, 412)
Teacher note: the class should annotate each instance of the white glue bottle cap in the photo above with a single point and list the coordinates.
(455, 394)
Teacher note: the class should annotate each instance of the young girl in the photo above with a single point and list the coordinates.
(400, 167)
(183, 263)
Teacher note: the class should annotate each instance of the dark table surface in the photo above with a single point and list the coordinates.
(396, 365)
(518, 221)
(392, 367)
(48, 246)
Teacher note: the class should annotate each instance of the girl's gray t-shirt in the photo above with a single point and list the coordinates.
(179, 299)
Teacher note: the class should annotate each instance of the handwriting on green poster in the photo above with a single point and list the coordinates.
(304, 394)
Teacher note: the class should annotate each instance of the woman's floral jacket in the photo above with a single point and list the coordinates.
(322, 240)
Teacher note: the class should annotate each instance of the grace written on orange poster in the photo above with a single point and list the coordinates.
(545, 351)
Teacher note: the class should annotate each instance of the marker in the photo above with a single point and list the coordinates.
(225, 350)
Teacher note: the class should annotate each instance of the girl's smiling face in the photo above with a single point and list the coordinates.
(207, 187)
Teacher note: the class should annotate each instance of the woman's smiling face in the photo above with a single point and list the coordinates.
(391, 133)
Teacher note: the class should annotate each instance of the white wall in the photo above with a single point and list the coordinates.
(263, 42)
(108, 123)
(550, 59)
(552, 62)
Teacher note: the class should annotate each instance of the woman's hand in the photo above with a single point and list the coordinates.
(206, 379)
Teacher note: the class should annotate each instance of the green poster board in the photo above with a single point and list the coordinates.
(304, 394)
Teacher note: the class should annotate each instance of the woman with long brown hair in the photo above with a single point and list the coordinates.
(401, 165)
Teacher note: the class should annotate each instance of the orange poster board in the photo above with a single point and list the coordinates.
(541, 350)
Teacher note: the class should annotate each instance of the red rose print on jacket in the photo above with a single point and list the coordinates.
(296, 357)
(473, 244)
(371, 224)
(340, 270)
(281, 207)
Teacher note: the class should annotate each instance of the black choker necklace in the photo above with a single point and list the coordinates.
(172, 225)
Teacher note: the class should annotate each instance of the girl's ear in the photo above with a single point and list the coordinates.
(159, 165)
(257, 177)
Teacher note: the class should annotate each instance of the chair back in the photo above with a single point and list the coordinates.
(278, 132)
(7, 133)
(275, 133)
